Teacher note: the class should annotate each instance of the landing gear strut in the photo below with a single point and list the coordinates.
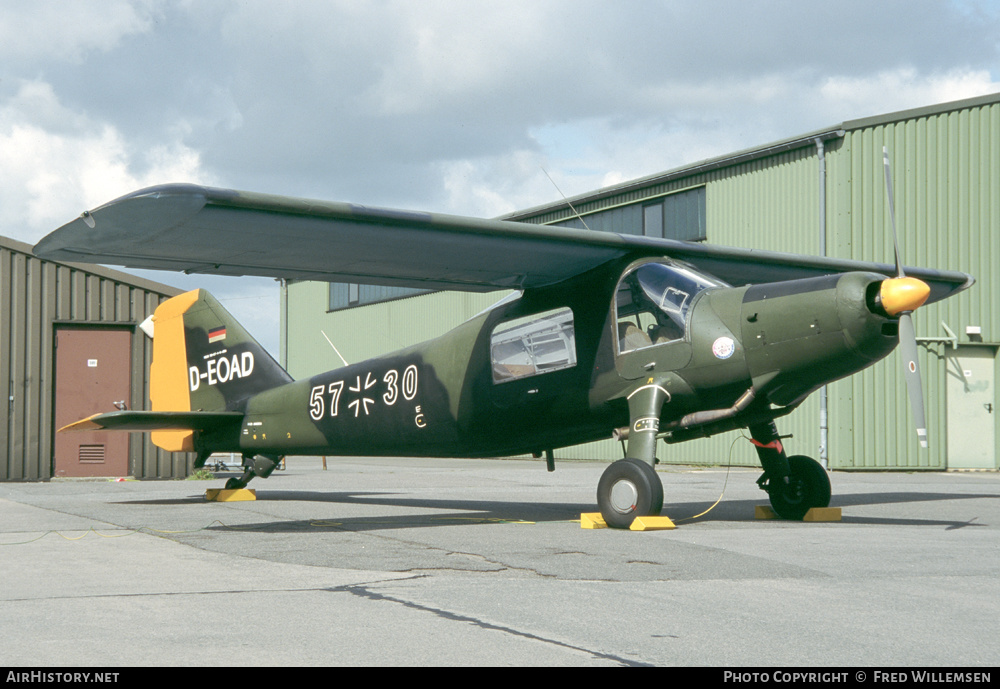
(260, 465)
(630, 487)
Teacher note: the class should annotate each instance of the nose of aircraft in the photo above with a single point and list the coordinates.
(897, 295)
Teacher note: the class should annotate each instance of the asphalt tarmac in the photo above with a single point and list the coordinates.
(483, 562)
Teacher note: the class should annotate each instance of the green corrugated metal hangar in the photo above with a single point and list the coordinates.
(820, 193)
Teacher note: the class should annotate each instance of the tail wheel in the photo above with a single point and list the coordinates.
(808, 486)
(257, 465)
(629, 488)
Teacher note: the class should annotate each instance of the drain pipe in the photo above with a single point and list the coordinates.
(283, 324)
(824, 424)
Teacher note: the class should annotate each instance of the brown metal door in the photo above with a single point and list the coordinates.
(93, 373)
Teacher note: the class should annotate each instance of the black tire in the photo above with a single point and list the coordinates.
(808, 486)
(234, 484)
(629, 488)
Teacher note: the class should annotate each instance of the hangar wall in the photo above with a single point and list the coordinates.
(946, 167)
(37, 298)
(818, 192)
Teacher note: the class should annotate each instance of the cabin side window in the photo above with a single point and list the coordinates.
(532, 345)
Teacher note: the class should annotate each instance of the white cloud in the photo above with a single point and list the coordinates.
(588, 153)
(393, 102)
(54, 29)
(54, 163)
(904, 88)
(492, 186)
(443, 105)
(457, 52)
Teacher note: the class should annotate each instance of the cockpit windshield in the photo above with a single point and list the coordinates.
(653, 302)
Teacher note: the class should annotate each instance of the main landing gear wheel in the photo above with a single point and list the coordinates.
(808, 486)
(629, 488)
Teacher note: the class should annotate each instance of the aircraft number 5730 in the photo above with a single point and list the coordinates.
(396, 386)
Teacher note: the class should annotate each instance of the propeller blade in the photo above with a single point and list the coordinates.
(906, 295)
(892, 210)
(911, 371)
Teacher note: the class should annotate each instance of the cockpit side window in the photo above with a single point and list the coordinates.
(653, 301)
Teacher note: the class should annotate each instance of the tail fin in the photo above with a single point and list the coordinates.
(203, 360)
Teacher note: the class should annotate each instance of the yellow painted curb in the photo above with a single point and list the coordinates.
(592, 520)
(652, 524)
(223, 495)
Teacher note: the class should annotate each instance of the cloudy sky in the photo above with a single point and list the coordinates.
(445, 105)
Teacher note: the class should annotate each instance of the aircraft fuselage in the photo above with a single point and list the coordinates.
(549, 370)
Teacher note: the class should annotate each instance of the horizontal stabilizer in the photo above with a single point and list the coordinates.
(157, 421)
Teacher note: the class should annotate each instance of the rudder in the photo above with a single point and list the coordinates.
(204, 360)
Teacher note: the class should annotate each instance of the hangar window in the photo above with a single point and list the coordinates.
(676, 216)
(346, 295)
(533, 345)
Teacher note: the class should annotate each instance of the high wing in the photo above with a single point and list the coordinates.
(217, 231)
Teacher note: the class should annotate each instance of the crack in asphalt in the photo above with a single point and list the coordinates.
(367, 593)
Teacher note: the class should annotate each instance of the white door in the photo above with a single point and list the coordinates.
(971, 408)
